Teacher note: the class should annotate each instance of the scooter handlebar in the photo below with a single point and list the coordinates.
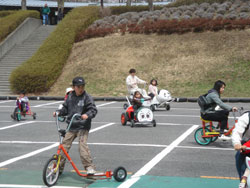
(64, 117)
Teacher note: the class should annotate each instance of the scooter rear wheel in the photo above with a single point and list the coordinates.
(120, 174)
(50, 176)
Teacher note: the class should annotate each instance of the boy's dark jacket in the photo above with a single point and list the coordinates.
(83, 104)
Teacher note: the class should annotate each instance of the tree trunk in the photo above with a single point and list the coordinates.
(101, 3)
(23, 5)
(60, 4)
(128, 2)
(150, 5)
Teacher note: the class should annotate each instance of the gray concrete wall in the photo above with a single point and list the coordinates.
(21, 33)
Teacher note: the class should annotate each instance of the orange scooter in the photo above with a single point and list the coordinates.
(51, 168)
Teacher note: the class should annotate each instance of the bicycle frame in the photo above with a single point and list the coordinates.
(215, 133)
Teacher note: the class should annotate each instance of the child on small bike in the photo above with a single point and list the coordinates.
(137, 102)
(21, 103)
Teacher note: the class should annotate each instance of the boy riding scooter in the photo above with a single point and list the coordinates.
(78, 101)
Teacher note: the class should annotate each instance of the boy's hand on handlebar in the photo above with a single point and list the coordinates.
(234, 109)
(243, 148)
(54, 114)
(84, 116)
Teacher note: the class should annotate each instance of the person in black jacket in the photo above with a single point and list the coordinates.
(79, 101)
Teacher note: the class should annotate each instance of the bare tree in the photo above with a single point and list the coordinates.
(102, 4)
(60, 5)
(23, 4)
(150, 5)
(128, 2)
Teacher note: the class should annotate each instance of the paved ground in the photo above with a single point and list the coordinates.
(165, 156)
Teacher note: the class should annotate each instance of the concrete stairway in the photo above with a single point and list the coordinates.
(20, 53)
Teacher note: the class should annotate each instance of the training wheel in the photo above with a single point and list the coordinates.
(120, 174)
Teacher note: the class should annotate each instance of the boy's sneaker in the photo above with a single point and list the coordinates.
(242, 185)
(90, 171)
(224, 138)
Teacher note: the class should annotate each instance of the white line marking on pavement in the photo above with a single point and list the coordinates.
(27, 155)
(120, 144)
(44, 149)
(31, 186)
(16, 125)
(145, 169)
(191, 116)
(1, 102)
(174, 115)
(100, 105)
(46, 104)
(101, 127)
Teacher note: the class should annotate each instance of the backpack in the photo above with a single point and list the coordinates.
(203, 102)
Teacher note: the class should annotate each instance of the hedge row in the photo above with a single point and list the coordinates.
(189, 2)
(4, 13)
(169, 27)
(10, 22)
(40, 72)
(117, 10)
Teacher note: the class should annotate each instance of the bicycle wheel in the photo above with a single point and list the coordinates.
(213, 139)
(50, 176)
(17, 114)
(199, 139)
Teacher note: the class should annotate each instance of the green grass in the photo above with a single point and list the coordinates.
(10, 20)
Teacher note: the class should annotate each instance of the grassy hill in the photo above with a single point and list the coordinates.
(186, 65)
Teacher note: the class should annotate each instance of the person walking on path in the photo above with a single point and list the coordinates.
(45, 13)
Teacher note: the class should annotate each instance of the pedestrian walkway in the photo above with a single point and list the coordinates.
(19, 54)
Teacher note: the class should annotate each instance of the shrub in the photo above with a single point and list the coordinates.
(12, 20)
(4, 13)
(117, 10)
(189, 2)
(168, 27)
(40, 72)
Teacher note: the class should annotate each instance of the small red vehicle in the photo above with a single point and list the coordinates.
(51, 168)
(142, 116)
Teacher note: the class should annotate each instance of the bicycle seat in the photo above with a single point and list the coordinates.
(206, 121)
(63, 132)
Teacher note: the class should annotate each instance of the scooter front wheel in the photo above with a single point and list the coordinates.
(50, 173)
(120, 174)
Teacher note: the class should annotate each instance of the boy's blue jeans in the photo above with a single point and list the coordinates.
(240, 160)
(45, 19)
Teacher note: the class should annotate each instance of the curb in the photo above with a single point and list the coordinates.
(178, 99)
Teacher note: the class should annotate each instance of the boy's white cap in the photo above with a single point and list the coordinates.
(69, 89)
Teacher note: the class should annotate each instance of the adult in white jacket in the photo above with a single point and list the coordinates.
(240, 135)
(132, 82)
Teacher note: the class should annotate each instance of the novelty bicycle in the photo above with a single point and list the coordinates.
(208, 133)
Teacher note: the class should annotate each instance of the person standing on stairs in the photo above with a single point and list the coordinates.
(45, 13)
